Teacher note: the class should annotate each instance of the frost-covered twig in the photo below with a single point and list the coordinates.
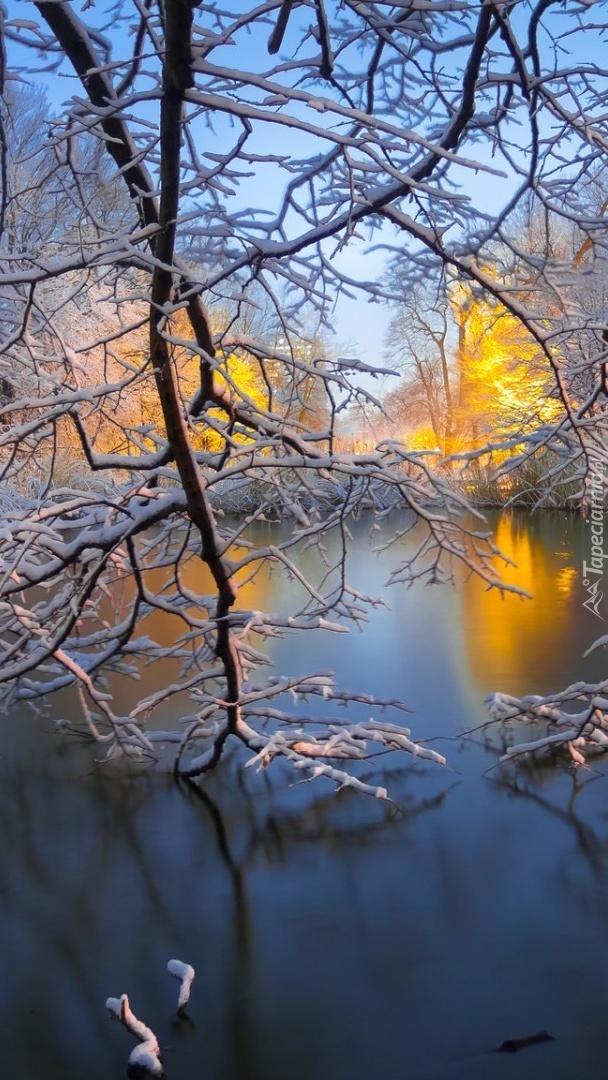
(145, 1059)
(184, 972)
(584, 731)
(314, 752)
(549, 742)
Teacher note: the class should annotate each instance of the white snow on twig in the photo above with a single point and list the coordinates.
(146, 1055)
(185, 972)
(540, 744)
(584, 730)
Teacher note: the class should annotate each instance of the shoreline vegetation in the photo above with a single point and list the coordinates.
(510, 486)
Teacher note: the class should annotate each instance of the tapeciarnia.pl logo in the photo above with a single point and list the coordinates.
(594, 569)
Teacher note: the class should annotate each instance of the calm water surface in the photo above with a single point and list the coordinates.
(330, 938)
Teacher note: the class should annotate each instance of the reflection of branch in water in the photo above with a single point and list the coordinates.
(43, 822)
(273, 832)
(314, 825)
(240, 996)
(323, 819)
(196, 794)
(590, 845)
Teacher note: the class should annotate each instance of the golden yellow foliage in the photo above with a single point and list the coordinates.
(504, 380)
(422, 438)
(240, 377)
(486, 381)
(133, 418)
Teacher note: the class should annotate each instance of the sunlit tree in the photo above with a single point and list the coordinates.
(472, 373)
(420, 340)
(503, 385)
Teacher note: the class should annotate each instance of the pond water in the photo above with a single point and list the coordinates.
(331, 938)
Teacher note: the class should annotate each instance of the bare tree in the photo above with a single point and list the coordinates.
(419, 340)
(249, 173)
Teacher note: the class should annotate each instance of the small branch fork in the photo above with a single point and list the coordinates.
(582, 734)
(309, 750)
(146, 1059)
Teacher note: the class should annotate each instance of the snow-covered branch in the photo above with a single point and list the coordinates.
(185, 974)
(145, 1059)
(583, 732)
(168, 383)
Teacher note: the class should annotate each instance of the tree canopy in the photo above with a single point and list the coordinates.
(203, 166)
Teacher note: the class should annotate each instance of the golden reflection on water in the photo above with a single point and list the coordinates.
(565, 580)
(512, 642)
(259, 590)
(500, 641)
